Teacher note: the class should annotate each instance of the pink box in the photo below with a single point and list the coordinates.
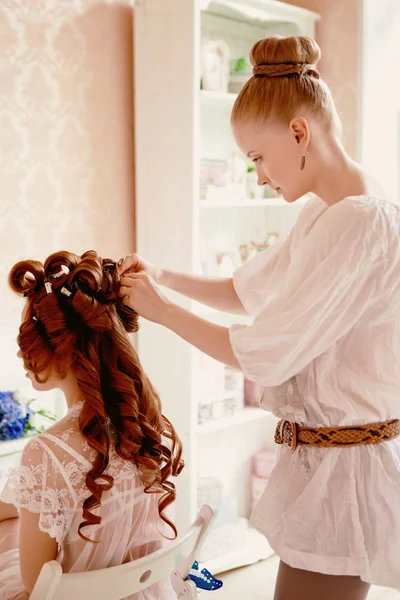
(263, 463)
(234, 380)
(252, 393)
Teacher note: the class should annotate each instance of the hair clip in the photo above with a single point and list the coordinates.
(109, 267)
(64, 271)
(66, 292)
(48, 287)
(203, 579)
(34, 318)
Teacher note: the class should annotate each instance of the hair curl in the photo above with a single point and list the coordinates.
(75, 319)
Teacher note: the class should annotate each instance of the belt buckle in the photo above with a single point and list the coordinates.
(291, 438)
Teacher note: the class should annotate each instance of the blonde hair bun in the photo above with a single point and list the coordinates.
(278, 56)
(285, 82)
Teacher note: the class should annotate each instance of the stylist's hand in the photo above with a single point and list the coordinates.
(140, 292)
(133, 263)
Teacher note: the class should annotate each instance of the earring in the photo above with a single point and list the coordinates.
(303, 162)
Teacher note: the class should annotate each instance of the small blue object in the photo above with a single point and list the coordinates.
(203, 579)
(13, 419)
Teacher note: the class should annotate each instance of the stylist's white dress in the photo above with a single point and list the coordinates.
(325, 347)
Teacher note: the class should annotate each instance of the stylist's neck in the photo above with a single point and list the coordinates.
(337, 176)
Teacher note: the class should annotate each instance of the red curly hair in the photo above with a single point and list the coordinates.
(75, 319)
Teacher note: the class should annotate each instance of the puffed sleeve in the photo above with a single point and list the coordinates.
(259, 279)
(39, 486)
(329, 284)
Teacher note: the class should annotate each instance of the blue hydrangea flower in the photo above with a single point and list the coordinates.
(13, 417)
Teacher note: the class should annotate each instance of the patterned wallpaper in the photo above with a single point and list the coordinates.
(339, 33)
(66, 131)
(381, 94)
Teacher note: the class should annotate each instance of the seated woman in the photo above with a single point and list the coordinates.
(92, 490)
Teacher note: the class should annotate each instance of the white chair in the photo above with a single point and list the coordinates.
(114, 583)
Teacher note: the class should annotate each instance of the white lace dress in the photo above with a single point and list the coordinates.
(52, 483)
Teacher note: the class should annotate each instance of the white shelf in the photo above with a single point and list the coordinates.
(13, 446)
(246, 415)
(262, 11)
(204, 131)
(247, 202)
(217, 99)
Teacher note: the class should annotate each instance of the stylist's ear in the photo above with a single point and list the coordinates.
(301, 132)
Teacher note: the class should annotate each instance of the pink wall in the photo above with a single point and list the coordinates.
(339, 33)
(66, 131)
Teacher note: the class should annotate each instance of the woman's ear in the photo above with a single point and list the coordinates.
(301, 131)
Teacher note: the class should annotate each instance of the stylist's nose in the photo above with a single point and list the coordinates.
(262, 179)
(19, 354)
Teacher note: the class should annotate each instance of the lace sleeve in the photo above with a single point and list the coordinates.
(38, 485)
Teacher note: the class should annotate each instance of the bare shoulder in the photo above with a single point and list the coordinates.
(53, 441)
(68, 425)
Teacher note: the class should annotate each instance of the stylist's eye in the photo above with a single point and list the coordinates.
(257, 160)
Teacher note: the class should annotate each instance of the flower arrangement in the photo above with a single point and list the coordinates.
(17, 417)
(240, 65)
(240, 72)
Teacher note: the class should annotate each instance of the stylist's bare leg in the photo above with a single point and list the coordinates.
(295, 584)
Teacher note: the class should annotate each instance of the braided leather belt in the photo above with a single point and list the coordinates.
(293, 434)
